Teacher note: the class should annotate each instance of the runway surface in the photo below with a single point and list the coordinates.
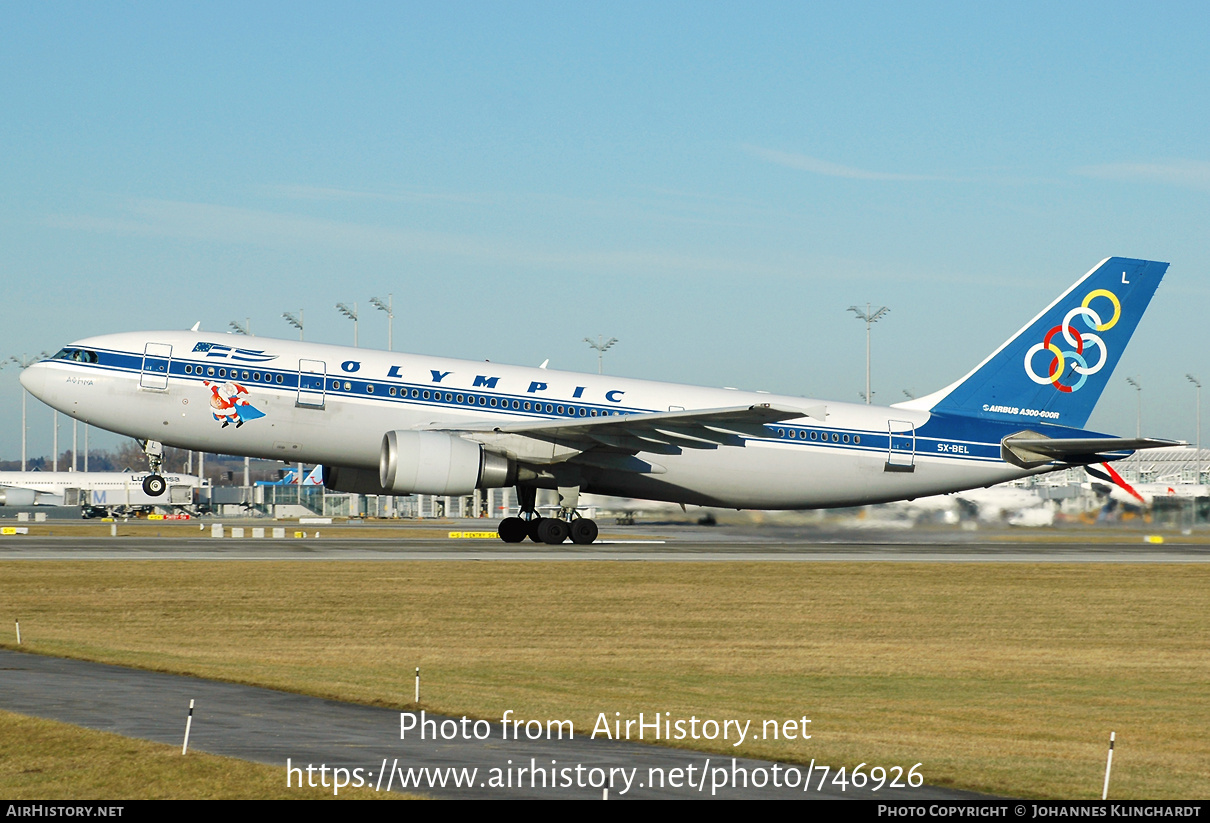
(273, 727)
(676, 543)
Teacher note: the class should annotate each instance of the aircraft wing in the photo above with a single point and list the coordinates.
(1030, 449)
(658, 432)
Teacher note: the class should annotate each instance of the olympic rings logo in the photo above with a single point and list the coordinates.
(1079, 343)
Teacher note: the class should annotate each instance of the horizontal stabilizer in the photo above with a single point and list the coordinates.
(1030, 449)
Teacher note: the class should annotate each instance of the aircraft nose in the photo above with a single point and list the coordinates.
(33, 378)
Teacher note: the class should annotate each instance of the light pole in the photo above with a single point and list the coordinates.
(244, 328)
(1197, 383)
(601, 345)
(378, 304)
(296, 322)
(352, 315)
(870, 318)
(1138, 426)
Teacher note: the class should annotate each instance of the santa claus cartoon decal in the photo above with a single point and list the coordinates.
(229, 404)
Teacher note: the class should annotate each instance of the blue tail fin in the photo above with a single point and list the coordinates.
(1054, 369)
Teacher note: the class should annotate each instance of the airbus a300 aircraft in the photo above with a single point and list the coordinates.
(387, 423)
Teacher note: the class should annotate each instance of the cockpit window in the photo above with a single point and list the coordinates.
(76, 355)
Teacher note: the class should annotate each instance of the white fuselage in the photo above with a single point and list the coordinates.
(294, 401)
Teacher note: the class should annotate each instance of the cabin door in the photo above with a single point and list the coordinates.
(901, 448)
(312, 375)
(157, 357)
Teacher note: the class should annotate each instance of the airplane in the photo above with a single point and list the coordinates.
(95, 492)
(396, 424)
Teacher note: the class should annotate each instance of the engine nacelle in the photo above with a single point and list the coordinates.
(438, 463)
(352, 480)
(18, 497)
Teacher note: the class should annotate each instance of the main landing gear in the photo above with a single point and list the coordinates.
(154, 484)
(551, 530)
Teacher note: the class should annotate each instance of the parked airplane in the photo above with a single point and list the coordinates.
(388, 423)
(95, 492)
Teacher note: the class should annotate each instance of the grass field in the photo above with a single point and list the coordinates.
(1004, 678)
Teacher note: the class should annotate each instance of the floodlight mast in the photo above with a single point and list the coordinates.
(1138, 426)
(601, 345)
(1197, 383)
(296, 322)
(387, 307)
(352, 315)
(870, 317)
(244, 328)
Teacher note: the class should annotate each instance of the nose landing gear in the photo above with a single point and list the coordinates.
(153, 484)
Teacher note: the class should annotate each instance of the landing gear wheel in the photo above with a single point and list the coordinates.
(552, 530)
(512, 530)
(531, 529)
(583, 531)
(154, 485)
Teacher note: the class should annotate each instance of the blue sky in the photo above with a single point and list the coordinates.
(711, 183)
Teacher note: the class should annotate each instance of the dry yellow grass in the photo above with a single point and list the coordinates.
(45, 760)
(1004, 678)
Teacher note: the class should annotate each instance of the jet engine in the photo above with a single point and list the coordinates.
(18, 497)
(422, 462)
